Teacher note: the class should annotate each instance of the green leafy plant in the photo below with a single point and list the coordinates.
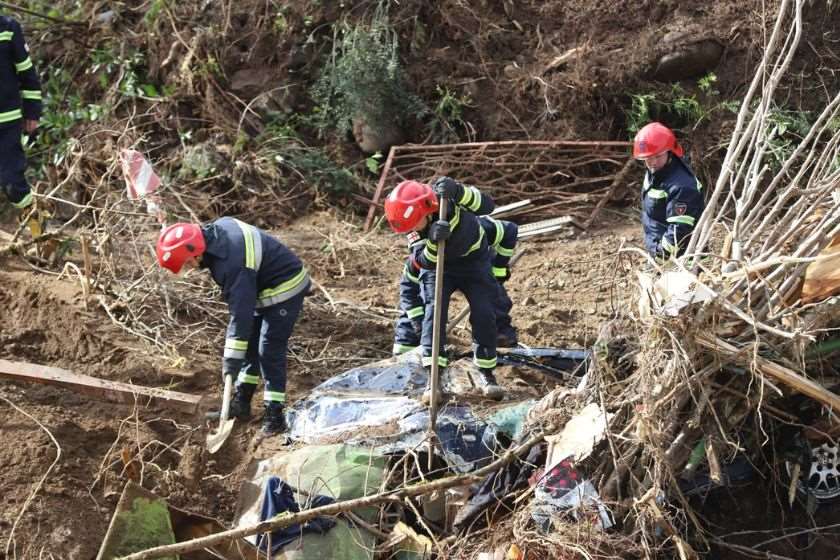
(363, 79)
(785, 129)
(281, 148)
(448, 116)
(675, 104)
(64, 110)
(108, 66)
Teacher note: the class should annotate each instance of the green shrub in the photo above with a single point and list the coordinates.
(363, 79)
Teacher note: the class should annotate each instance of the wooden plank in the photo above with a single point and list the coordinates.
(112, 391)
(509, 209)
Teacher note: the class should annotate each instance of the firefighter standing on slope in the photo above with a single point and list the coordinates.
(413, 206)
(20, 110)
(672, 200)
(263, 283)
(501, 236)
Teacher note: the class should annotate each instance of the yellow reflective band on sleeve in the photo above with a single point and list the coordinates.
(657, 194)
(471, 198)
(499, 271)
(504, 251)
(488, 363)
(23, 202)
(687, 220)
(407, 272)
(500, 234)
(274, 396)
(33, 94)
(23, 65)
(6, 35)
(415, 312)
(10, 116)
(247, 379)
(430, 252)
(477, 245)
(699, 185)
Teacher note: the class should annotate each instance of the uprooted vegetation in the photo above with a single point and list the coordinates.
(256, 109)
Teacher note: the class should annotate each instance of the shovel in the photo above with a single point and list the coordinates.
(216, 439)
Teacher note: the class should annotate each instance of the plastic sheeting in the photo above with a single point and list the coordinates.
(467, 442)
(341, 472)
(511, 419)
(322, 418)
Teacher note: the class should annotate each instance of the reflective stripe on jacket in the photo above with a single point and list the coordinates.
(20, 88)
(254, 270)
(672, 202)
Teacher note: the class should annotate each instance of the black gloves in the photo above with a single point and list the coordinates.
(439, 231)
(448, 187)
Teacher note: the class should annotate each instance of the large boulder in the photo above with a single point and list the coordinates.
(372, 139)
(688, 61)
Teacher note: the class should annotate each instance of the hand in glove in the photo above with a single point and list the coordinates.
(439, 231)
(449, 188)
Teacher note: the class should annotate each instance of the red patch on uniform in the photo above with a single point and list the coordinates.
(681, 209)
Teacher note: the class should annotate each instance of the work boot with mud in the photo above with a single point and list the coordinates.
(507, 339)
(240, 403)
(274, 420)
(490, 387)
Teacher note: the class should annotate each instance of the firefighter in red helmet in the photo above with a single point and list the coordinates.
(263, 283)
(412, 206)
(672, 200)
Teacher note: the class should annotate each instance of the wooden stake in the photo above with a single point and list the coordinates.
(436, 332)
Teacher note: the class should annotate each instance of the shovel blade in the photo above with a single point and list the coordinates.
(216, 439)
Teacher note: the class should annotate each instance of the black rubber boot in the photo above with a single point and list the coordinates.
(240, 403)
(507, 339)
(491, 387)
(274, 420)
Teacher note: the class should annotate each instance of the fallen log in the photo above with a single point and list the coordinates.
(287, 519)
(112, 391)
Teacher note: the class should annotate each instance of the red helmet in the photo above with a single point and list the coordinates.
(409, 203)
(653, 139)
(177, 243)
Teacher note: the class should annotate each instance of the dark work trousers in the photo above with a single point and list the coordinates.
(480, 288)
(268, 346)
(13, 165)
(504, 324)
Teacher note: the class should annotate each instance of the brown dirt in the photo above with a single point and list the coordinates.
(563, 289)
(565, 282)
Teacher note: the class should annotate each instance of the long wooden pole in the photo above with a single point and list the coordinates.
(287, 519)
(436, 332)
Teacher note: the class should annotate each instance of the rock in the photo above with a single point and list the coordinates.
(529, 301)
(379, 139)
(688, 60)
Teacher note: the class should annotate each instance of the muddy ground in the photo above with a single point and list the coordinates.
(563, 288)
(498, 54)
